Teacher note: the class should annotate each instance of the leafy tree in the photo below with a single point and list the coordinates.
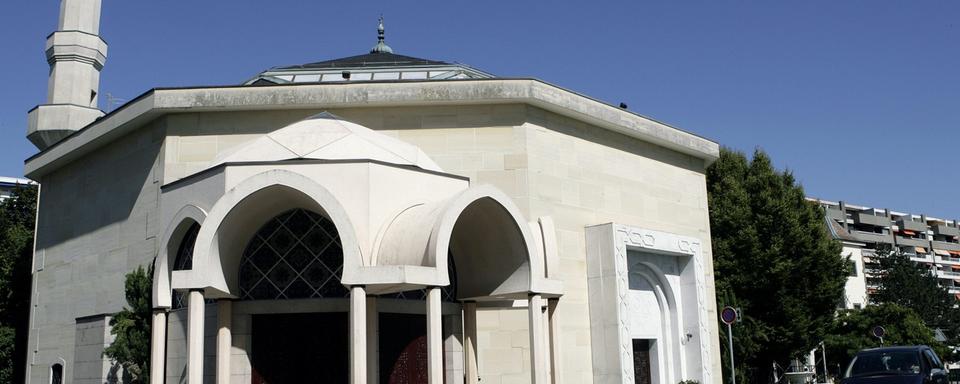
(17, 217)
(773, 258)
(131, 326)
(911, 285)
(851, 331)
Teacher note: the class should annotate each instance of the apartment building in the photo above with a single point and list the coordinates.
(929, 241)
(8, 184)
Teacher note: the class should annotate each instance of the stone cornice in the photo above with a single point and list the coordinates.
(76, 46)
(160, 101)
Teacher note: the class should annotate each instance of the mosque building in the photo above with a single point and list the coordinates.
(378, 218)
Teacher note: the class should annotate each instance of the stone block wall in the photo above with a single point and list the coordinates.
(503, 341)
(177, 345)
(92, 336)
(98, 221)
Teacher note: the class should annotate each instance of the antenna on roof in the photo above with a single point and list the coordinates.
(381, 46)
(113, 101)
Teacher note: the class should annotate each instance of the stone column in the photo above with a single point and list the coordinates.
(224, 339)
(538, 356)
(358, 335)
(554, 321)
(195, 314)
(373, 340)
(158, 345)
(434, 337)
(471, 369)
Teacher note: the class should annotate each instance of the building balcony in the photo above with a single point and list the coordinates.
(871, 219)
(946, 245)
(871, 237)
(921, 258)
(911, 225)
(944, 230)
(948, 274)
(912, 242)
(949, 259)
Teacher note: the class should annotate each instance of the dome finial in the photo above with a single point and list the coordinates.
(381, 46)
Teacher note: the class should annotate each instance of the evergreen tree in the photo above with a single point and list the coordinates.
(851, 332)
(911, 285)
(17, 217)
(131, 326)
(773, 258)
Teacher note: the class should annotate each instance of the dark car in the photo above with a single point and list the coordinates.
(917, 364)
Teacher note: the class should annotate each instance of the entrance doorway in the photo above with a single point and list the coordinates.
(403, 348)
(300, 348)
(641, 362)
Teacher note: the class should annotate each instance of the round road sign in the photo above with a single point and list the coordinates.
(878, 331)
(728, 315)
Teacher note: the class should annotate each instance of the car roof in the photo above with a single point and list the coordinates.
(895, 348)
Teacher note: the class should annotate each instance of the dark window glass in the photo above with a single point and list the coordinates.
(184, 260)
(885, 362)
(56, 374)
(932, 359)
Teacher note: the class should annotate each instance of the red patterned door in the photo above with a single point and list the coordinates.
(403, 349)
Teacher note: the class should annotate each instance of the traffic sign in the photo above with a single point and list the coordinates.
(729, 315)
(878, 332)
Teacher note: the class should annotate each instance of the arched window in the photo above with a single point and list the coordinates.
(184, 261)
(297, 254)
(56, 374)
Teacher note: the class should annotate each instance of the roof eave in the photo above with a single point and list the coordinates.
(160, 101)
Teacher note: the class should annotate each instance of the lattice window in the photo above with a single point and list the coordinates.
(181, 299)
(295, 255)
(184, 260)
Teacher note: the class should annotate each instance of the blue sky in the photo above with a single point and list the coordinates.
(860, 99)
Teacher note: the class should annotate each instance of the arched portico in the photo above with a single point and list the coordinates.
(245, 208)
(185, 217)
(499, 257)
(484, 231)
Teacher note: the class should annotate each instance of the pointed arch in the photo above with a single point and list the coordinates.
(185, 217)
(237, 215)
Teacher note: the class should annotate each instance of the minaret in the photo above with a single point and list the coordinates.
(381, 46)
(76, 54)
